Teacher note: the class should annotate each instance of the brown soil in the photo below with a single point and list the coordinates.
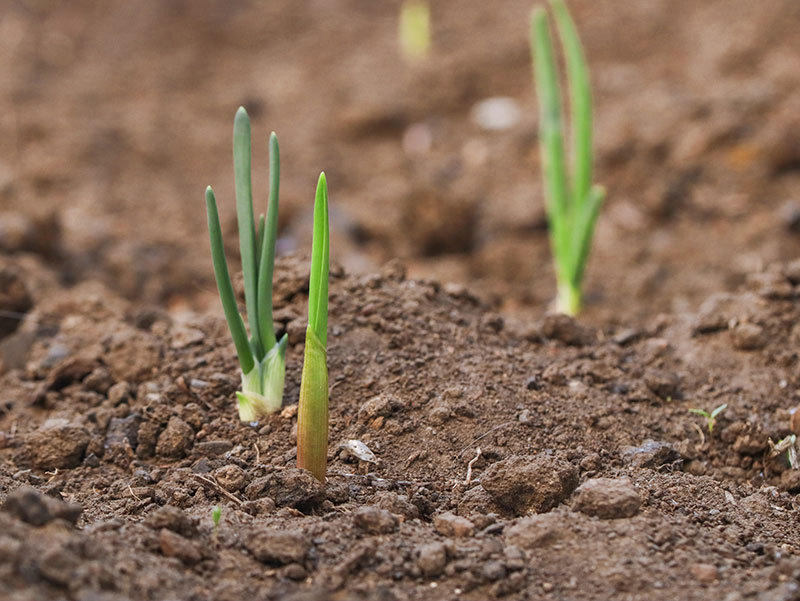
(519, 454)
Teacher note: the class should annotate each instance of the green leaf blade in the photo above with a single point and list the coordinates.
(244, 214)
(320, 264)
(584, 232)
(551, 141)
(269, 239)
(580, 97)
(225, 287)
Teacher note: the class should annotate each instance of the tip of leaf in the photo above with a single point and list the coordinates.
(241, 112)
(273, 137)
(282, 344)
(538, 13)
(209, 193)
(322, 180)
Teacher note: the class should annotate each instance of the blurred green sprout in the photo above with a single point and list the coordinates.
(572, 202)
(415, 29)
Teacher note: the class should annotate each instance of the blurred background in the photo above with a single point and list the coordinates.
(115, 115)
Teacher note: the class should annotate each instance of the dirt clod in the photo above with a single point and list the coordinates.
(176, 439)
(15, 299)
(432, 559)
(557, 326)
(277, 546)
(174, 545)
(704, 573)
(37, 509)
(456, 526)
(290, 487)
(523, 483)
(230, 477)
(172, 518)
(535, 531)
(373, 520)
(607, 498)
(57, 444)
(748, 337)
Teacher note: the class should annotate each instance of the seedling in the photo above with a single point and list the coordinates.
(415, 29)
(788, 444)
(711, 418)
(216, 514)
(262, 359)
(312, 417)
(572, 202)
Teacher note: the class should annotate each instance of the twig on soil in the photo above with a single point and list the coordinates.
(700, 431)
(133, 494)
(469, 466)
(258, 453)
(484, 435)
(219, 489)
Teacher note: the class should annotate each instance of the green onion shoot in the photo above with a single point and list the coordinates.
(262, 358)
(312, 417)
(415, 29)
(216, 514)
(573, 203)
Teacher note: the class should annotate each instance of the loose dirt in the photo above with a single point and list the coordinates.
(588, 476)
(518, 454)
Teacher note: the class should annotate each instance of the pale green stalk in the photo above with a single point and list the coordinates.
(573, 203)
(312, 418)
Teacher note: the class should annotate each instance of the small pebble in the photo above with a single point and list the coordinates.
(496, 114)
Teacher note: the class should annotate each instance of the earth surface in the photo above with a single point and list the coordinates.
(516, 454)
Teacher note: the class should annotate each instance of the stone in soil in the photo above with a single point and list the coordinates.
(748, 337)
(372, 520)
(432, 559)
(524, 483)
(456, 526)
(651, 454)
(123, 429)
(607, 498)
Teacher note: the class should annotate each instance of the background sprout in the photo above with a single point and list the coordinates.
(415, 29)
(573, 202)
(262, 359)
(711, 418)
(312, 418)
(216, 514)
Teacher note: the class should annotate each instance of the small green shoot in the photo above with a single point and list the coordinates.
(216, 514)
(711, 418)
(415, 29)
(788, 444)
(312, 417)
(573, 203)
(261, 357)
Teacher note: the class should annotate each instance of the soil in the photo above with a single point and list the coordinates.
(517, 454)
